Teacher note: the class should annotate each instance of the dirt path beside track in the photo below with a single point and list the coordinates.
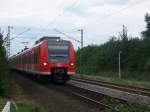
(48, 100)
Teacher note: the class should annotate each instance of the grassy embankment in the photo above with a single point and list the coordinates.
(2, 103)
(140, 81)
(24, 107)
(19, 107)
(129, 79)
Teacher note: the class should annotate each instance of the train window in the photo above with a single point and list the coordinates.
(30, 58)
(36, 55)
(20, 59)
(35, 58)
(58, 51)
(61, 47)
(17, 61)
(25, 59)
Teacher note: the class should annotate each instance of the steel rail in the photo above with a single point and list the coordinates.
(140, 91)
(86, 98)
(125, 94)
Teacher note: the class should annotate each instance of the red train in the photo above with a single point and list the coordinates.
(50, 58)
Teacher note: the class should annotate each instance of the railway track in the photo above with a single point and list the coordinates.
(93, 98)
(131, 89)
(126, 93)
(90, 97)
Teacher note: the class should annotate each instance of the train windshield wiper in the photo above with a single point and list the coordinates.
(58, 56)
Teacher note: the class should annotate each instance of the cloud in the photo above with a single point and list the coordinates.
(100, 19)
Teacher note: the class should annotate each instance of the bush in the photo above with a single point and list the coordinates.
(3, 70)
(147, 65)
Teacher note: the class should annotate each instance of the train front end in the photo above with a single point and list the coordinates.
(61, 59)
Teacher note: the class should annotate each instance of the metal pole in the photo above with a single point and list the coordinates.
(8, 41)
(81, 30)
(81, 48)
(81, 38)
(119, 65)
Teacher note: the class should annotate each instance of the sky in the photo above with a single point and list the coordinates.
(99, 19)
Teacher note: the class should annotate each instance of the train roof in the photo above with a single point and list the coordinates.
(51, 40)
(47, 38)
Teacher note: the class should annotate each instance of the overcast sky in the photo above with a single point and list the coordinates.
(100, 19)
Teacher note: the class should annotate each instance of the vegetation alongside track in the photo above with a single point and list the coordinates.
(19, 107)
(2, 103)
(4, 83)
(127, 107)
(135, 56)
(55, 100)
(124, 81)
(24, 107)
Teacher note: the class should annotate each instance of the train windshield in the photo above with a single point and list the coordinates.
(58, 52)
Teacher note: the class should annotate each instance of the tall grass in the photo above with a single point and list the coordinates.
(126, 74)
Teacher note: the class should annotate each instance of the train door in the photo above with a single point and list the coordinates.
(35, 56)
(26, 64)
(32, 60)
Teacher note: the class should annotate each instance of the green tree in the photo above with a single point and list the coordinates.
(145, 46)
(146, 33)
(147, 64)
(3, 69)
(135, 55)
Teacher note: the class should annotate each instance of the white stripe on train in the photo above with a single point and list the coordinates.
(38, 72)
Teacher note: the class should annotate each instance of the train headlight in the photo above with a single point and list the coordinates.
(45, 63)
(57, 40)
(72, 64)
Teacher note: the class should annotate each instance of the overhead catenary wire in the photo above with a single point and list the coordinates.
(51, 21)
(117, 12)
(114, 13)
(101, 20)
(107, 16)
(73, 38)
(59, 5)
(55, 18)
(20, 33)
(60, 14)
(123, 9)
